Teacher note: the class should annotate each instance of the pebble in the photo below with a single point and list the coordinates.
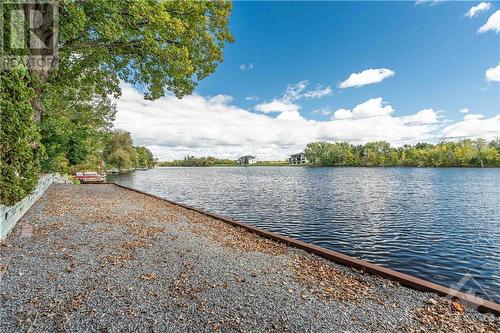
(93, 223)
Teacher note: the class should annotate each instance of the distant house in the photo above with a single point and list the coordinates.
(247, 159)
(299, 158)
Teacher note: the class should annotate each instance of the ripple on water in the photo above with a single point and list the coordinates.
(438, 224)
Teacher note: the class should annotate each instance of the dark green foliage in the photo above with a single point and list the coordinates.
(465, 153)
(74, 127)
(20, 149)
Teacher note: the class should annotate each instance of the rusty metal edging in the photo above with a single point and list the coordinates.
(404, 279)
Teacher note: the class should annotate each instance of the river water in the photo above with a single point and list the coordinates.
(440, 224)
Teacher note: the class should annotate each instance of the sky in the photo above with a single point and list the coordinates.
(402, 72)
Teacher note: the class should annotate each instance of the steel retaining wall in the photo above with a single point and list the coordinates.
(404, 279)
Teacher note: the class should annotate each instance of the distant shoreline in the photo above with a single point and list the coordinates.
(327, 166)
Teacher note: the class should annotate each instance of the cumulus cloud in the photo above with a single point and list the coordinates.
(246, 67)
(493, 74)
(374, 107)
(426, 116)
(277, 106)
(368, 76)
(473, 116)
(342, 114)
(474, 126)
(492, 24)
(464, 110)
(173, 128)
(293, 93)
(252, 98)
(476, 10)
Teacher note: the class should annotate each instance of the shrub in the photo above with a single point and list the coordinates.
(20, 150)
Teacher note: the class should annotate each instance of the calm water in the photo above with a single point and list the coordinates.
(438, 224)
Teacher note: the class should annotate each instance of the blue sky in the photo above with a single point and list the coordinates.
(433, 55)
(438, 57)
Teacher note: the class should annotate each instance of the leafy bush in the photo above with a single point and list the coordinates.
(20, 148)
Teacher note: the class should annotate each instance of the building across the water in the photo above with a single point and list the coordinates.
(247, 159)
(299, 158)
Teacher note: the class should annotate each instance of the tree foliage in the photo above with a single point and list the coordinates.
(20, 149)
(465, 153)
(144, 158)
(160, 45)
(76, 123)
(120, 153)
(190, 161)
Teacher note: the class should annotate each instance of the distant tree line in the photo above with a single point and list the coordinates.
(190, 161)
(464, 153)
(120, 153)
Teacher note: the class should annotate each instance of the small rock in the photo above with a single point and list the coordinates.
(431, 301)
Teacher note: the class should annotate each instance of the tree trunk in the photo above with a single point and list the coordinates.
(42, 43)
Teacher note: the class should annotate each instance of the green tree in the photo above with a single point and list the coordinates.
(75, 126)
(20, 149)
(161, 45)
(144, 158)
(465, 153)
(119, 151)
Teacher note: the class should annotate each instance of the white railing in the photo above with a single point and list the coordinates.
(10, 215)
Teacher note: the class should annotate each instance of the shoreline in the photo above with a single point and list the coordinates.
(91, 259)
(346, 260)
(318, 166)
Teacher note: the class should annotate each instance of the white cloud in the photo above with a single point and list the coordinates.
(246, 67)
(374, 107)
(318, 92)
(342, 114)
(326, 111)
(476, 10)
(426, 116)
(474, 126)
(464, 110)
(428, 2)
(277, 106)
(493, 23)
(493, 74)
(368, 76)
(293, 93)
(173, 128)
(296, 91)
(221, 99)
(252, 98)
(473, 116)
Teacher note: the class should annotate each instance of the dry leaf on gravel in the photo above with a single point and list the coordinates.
(326, 281)
(116, 259)
(232, 236)
(148, 277)
(441, 317)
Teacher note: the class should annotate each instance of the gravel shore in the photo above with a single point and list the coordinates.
(99, 258)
